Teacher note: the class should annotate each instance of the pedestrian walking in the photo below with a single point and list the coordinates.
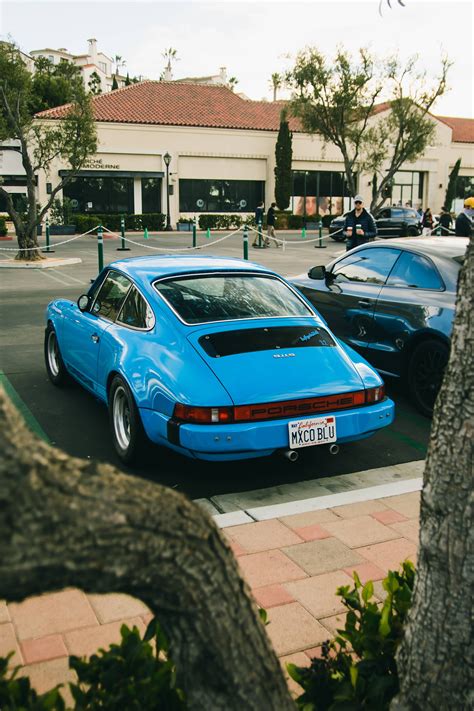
(359, 225)
(427, 222)
(465, 218)
(271, 219)
(259, 212)
(445, 220)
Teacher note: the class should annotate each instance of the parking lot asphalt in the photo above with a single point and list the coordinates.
(76, 422)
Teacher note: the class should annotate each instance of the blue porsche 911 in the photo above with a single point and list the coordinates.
(218, 359)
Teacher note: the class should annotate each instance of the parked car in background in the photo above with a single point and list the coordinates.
(218, 359)
(390, 221)
(394, 303)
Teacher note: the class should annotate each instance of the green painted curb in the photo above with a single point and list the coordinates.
(23, 409)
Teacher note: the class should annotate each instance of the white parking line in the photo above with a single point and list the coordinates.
(69, 276)
(54, 278)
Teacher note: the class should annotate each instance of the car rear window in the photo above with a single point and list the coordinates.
(224, 297)
(265, 339)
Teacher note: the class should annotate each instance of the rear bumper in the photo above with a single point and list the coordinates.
(257, 439)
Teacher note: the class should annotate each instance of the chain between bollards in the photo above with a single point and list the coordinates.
(123, 248)
(100, 247)
(48, 249)
(194, 232)
(246, 242)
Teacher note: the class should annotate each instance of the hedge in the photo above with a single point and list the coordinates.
(3, 227)
(153, 221)
(223, 222)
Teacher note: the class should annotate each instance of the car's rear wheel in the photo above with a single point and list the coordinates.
(413, 232)
(127, 429)
(425, 374)
(55, 367)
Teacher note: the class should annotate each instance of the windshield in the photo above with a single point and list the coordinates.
(224, 297)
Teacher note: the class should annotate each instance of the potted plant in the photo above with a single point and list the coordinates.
(60, 218)
(184, 224)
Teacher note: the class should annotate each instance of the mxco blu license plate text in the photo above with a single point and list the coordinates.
(307, 433)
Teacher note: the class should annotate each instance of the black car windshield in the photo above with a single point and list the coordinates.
(223, 297)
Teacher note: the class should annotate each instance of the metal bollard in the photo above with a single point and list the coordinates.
(246, 242)
(48, 249)
(123, 248)
(145, 233)
(194, 232)
(303, 233)
(208, 233)
(100, 247)
(320, 235)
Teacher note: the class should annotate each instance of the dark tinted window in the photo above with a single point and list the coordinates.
(384, 214)
(111, 296)
(135, 311)
(222, 297)
(370, 266)
(265, 339)
(220, 195)
(415, 272)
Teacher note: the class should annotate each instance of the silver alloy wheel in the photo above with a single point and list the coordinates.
(53, 354)
(121, 417)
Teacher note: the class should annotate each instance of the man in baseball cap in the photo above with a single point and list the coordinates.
(359, 225)
(464, 219)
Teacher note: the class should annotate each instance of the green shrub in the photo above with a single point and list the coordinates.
(16, 693)
(154, 221)
(3, 227)
(357, 670)
(222, 222)
(295, 222)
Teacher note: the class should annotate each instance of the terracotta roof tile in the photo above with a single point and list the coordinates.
(174, 104)
(209, 106)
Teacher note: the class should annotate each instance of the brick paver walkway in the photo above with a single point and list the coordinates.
(293, 565)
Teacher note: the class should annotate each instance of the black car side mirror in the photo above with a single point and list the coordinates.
(317, 273)
(83, 302)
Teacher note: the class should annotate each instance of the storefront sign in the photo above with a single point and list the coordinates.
(98, 164)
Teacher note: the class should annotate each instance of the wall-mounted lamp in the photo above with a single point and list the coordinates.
(440, 185)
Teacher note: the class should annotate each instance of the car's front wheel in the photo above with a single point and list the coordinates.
(425, 374)
(127, 429)
(55, 367)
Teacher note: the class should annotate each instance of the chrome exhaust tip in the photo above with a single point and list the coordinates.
(291, 455)
(333, 449)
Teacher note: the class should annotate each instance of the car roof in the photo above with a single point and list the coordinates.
(149, 268)
(448, 247)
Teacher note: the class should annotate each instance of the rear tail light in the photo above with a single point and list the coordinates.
(277, 410)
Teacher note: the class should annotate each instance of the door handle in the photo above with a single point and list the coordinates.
(95, 337)
(364, 303)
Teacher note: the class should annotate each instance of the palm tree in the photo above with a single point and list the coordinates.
(232, 83)
(276, 82)
(169, 55)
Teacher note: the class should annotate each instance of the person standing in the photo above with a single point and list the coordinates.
(445, 220)
(427, 222)
(271, 219)
(359, 225)
(464, 219)
(259, 212)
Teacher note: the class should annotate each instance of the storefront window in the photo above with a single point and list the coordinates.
(407, 188)
(151, 195)
(220, 195)
(101, 195)
(317, 193)
(19, 202)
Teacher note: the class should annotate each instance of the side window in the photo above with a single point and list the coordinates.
(369, 266)
(135, 311)
(398, 214)
(111, 296)
(385, 214)
(415, 272)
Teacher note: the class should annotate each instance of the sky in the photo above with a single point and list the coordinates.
(252, 39)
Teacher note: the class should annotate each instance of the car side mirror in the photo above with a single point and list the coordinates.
(83, 302)
(317, 273)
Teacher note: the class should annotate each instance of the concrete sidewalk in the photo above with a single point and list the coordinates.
(293, 564)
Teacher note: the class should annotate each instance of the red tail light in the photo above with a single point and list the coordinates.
(277, 410)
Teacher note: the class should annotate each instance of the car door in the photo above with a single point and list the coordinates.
(83, 332)
(412, 300)
(348, 296)
(384, 227)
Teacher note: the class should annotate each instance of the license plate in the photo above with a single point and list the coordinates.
(308, 433)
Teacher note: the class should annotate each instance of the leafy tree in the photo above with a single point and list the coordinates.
(283, 156)
(114, 83)
(95, 84)
(451, 189)
(127, 80)
(339, 100)
(40, 142)
(232, 83)
(276, 83)
(53, 84)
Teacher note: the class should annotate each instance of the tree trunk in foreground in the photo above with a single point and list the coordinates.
(29, 249)
(69, 522)
(436, 657)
